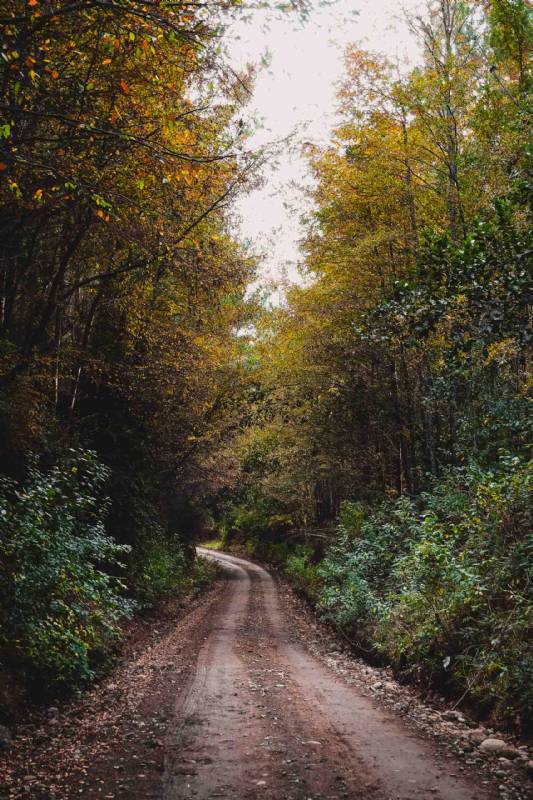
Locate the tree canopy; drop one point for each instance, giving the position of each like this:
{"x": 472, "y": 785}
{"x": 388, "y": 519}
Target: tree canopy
{"x": 371, "y": 432}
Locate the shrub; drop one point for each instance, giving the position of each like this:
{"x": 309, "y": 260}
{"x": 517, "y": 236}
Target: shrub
{"x": 59, "y": 604}
{"x": 202, "y": 574}
{"x": 161, "y": 566}
{"x": 302, "y": 572}
{"x": 158, "y": 566}
{"x": 357, "y": 569}
{"x": 463, "y": 606}
{"x": 442, "y": 586}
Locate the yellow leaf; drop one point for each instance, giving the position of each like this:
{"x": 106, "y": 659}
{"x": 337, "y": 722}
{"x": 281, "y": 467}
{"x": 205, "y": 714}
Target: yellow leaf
{"x": 38, "y": 194}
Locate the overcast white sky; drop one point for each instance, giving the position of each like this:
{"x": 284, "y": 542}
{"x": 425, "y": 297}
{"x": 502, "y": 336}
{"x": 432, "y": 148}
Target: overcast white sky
{"x": 296, "y": 92}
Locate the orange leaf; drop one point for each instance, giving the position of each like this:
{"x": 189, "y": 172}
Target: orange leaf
{"x": 2, "y": 166}
{"x": 106, "y": 61}
{"x": 32, "y": 2}
{"x": 124, "y": 86}
{"x": 100, "y": 213}
{"x": 30, "y": 61}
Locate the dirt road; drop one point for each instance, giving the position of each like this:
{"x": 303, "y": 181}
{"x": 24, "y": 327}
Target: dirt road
{"x": 264, "y": 718}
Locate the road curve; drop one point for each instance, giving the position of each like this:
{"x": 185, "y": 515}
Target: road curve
{"x": 262, "y": 717}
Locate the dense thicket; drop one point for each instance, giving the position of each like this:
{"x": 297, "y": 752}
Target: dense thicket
{"x": 121, "y": 287}
{"x": 394, "y": 386}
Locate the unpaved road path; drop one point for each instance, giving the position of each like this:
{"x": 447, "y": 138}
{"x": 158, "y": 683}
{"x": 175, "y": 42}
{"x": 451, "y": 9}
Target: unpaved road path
{"x": 262, "y": 717}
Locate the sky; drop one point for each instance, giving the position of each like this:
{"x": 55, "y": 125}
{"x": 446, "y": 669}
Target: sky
{"x": 295, "y": 95}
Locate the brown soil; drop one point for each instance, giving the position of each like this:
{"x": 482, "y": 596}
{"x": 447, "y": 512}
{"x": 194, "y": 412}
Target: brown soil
{"x": 111, "y": 744}
{"x": 235, "y": 700}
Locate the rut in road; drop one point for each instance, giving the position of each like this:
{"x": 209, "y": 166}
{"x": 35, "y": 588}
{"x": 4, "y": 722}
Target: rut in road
{"x": 264, "y": 718}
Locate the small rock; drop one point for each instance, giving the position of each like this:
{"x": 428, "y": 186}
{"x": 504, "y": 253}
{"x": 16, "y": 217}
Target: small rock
{"x": 376, "y": 686}
{"x": 454, "y": 716}
{"x": 477, "y": 735}
{"x": 498, "y": 747}
{"x": 401, "y": 707}
{"x": 5, "y": 737}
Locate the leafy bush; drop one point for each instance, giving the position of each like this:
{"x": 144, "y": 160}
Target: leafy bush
{"x": 257, "y": 518}
{"x": 201, "y": 575}
{"x": 59, "y": 604}
{"x": 161, "y": 566}
{"x": 443, "y": 586}
{"x": 302, "y": 572}
{"x": 158, "y": 566}
{"x": 357, "y": 569}
{"x": 264, "y": 549}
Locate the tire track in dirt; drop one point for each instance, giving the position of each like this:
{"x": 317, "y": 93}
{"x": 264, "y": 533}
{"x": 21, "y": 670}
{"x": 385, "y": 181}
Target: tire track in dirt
{"x": 225, "y": 743}
{"x": 263, "y": 718}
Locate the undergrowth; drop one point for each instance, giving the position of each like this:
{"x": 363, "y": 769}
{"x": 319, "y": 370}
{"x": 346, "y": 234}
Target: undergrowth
{"x": 439, "y": 585}
{"x": 66, "y": 585}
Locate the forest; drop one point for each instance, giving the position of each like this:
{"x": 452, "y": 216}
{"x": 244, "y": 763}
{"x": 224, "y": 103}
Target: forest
{"x": 385, "y": 464}
{"x": 370, "y": 434}
{"x": 122, "y": 286}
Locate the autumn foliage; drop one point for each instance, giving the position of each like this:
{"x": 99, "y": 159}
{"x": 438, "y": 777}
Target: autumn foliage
{"x": 121, "y": 290}
{"x": 387, "y": 461}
